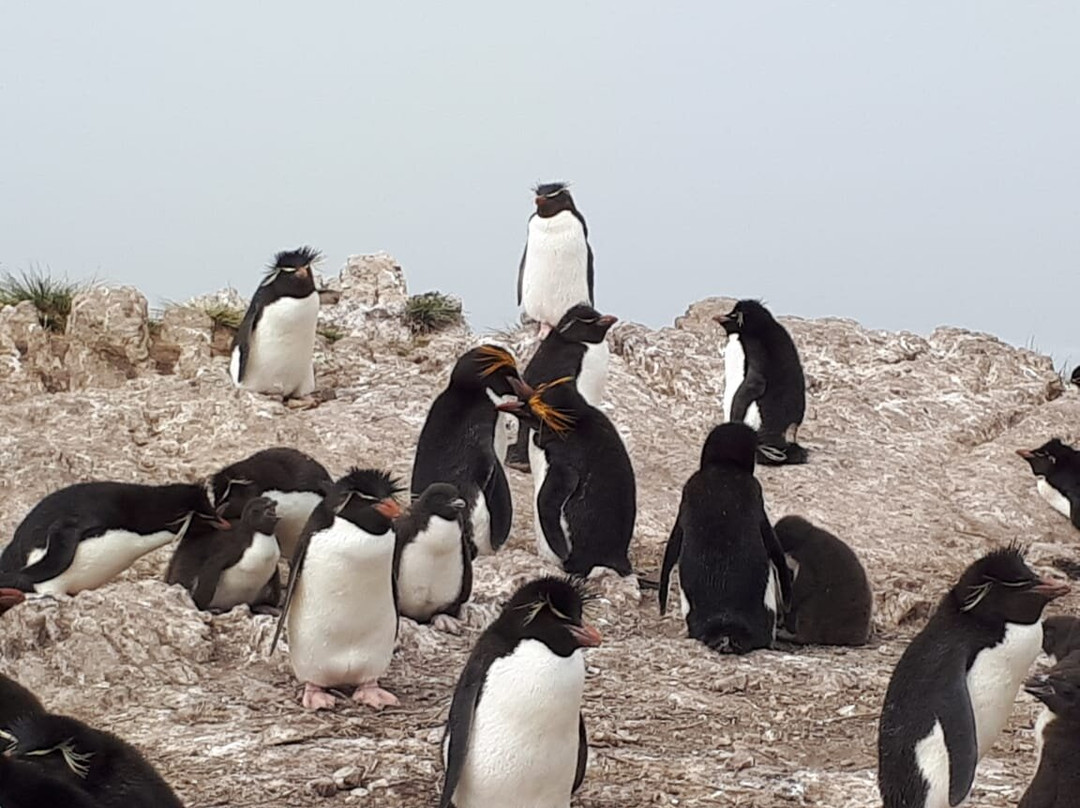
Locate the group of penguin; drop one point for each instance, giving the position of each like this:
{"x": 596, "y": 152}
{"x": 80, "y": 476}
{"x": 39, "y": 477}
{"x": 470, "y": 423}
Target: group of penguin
{"x": 357, "y": 562}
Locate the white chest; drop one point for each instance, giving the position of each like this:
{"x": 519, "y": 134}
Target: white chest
{"x": 100, "y": 559}
{"x": 734, "y": 373}
{"x": 293, "y": 510}
{"x": 1054, "y": 498}
{"x": 594, "y": 373}
{"x": 995, "y": 678}
{"x": 342, "y": 622}
{"x": 555, "y": 274}
{"x": 503, "y": 426}
{"x": 932, "y": 759}
{"x": 430, "y": 571}
{"x": 1046, "y": 717}
{"x": 481, "y": 525}
{"x": 242, "y": 582}
{"x": 524, "y": 741}
{"x": 279, "y": 353}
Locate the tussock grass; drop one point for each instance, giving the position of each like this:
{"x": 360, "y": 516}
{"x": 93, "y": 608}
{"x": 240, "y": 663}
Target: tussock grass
{"x": 431, "y": 312}
{"x": 52, "y": 297}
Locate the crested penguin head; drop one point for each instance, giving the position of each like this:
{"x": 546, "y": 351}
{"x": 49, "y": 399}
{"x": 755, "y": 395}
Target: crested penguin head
{"x": 583, "y": 323}
{"x": 730, "y": 444}
{"x": 366, "y": 497}
{"x": 552, "y": 198}
{"x": 1046, "y": 457}
{"x": 488, "y": 367}
{"x": 1059, "y": 688}
{"x": 260, "y": 515}
{"x": 747, "y": 316}
{"x": 440, "y": 499}
{"x": 1001, "y": 588}
{"x": 291, "y": 272}
{"x": 58, "y": 745}
{"x": 550, "y": 610}
{"x": 189, "y": 509}
{"x": 548, "y": 408}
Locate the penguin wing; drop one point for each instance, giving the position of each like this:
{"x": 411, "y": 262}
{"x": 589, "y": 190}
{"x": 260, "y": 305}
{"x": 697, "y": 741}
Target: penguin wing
{"x": 671, "y": 558}
{"x": 582, "y": 754}
{"x": 751, "y": 389}
{"x": 589, "y": 275}
{"x": 61, "y": 542}
{"x": 205, "y": 583}
{"x": 462, "y": 710}
{"x": 321, "y": 518}
{"x": 242, "y": 340}
{"x": 775, "y": 552}
{"x": 961, "y": 741}
{"x": 559, "y": 485}
{"x": 521, "y": 270}
{"x": 500, "y": 505}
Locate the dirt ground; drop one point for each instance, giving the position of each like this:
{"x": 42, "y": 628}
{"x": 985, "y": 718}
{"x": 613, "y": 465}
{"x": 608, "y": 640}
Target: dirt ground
{"x": 912, "y": 445}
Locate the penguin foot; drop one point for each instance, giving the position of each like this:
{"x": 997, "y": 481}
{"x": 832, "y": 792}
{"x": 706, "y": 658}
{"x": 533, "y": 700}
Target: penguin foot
{"x": 305, "y": 403}
{"x": 374, "y": 696}
{"x": 545, "y": 329}
{"x": 316, "y": 698}
{"x": 446, "y": 623}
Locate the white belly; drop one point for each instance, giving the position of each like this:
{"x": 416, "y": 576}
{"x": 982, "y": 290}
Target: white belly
{"x": 524, "y": 741}
{"x": 684, "y": 602}
{"x": 503, "y": 426}
{"x": 279, "y": 357}
{"x": 932, "y": 759}
{"x": 1055, "y": 498}
{"x": 1041, "y": 723}
{"x": 772, "y": 596}
{"x": 481, "y": 525}
{"x": 430, "y": 572}
{"x": 242, "y": 582}
{"x": 594, "y": 372}
{"x": 342, "y": 622}
{"x": 995, "y": 677}
{"x": 293, "y": 510}
{"x": 734, "y": 372}
{"x": 555, "y": 275}
{"x": 98, "y": 560}
{"x": 539, "y": 465}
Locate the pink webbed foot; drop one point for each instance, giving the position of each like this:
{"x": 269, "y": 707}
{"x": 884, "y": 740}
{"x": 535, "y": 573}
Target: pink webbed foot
{"x": 316, "y": 698}
{"x": 446, "y": 623}
{"x": 374, "y": 696}
{"x": 545, "y": 329}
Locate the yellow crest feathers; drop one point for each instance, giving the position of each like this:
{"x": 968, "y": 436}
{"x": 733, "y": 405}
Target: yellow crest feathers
{"x": 495, "y": 358}
{"x": 556, "y": 420}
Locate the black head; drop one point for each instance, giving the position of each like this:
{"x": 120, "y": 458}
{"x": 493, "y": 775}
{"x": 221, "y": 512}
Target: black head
{"x": 189, "y": 510}
{"x": 291, "y": 272}
{"x": 1059, "y": 689}
{"x": 730, "y": 444}
{"x": 549, "y": 408}
{"x": 488, "y": 367}
{"x": 231, "y": 494}
{"x": 1044, "y": 459}
{"x": 549, "y": 610}
{"x": 440, "y": 499}
{"x": 365, "y": 497}
{"x": 583, "y": 323}
{"x": 60, "y": 746}
{"x": 1000, "y": 588}
{"x": 748, "y": 316}
{"x": 260, "y": 515}
{"x": 552, "y": 198}
{"x": 1075, "y": 377}
{"x": 1061, "y": 636}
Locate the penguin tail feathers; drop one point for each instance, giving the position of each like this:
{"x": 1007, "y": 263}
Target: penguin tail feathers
{"x": 727, "y": 634}
{"x": 783, "y": 454}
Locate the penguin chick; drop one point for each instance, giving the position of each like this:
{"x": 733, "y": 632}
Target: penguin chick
{"x": 1061, "y": 636}
{"x": 1056, "y": 467}
{"x": 432, "y": 559}
{"x": 515, "y": 735}
{"x": 272, "y": 350}
{"x": 106, "y": 768}
{"x": 15, "y": 701}
{"x": 954, "y": 687}
{"x": 1057, "y": 777}
{"x": 24, "y": 785}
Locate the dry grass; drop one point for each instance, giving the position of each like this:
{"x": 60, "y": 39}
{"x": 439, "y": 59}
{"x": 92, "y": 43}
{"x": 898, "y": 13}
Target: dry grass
{"x": 52, "y": 297}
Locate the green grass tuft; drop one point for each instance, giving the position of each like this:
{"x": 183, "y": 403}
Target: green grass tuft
{"x": 432, "y": 311}
{"x": 331, "y": 333}
{"x": 52, "y": 297}
{"x": 222, "y": 314}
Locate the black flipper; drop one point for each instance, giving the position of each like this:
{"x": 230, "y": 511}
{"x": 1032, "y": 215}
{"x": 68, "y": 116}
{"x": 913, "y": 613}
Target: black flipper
{"x": 242, "y": 340}
{"x": 459, "y": 724}
{"x": 559, "y": 484}
{"x": 205, "y": 584}
{"x": 671, "y": 558}
{"x": 499, "y": 504}
{"x": 582, "y": 754}
{"x": 61, "y": 543}
{"x": 775, "y": 551}
{"x": 321, "y": 518}
{"x": 521, "y": 268}
{"x": 958, "y": 725}
{"x": 590, "y": 272}
{"x": 751, "y": 389}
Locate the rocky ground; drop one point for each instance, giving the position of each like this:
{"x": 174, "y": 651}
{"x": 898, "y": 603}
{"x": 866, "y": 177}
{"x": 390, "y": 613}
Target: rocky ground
{"x": 913, "y": 463}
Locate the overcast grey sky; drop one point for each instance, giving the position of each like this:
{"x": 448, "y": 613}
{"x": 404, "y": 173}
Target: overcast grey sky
{"x": 907, "y": 165}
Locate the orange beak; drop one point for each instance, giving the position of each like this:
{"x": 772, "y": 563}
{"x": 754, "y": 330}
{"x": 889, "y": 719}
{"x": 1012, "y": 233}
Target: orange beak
{"x": 586, "y": 635}
{"x": 1025, "y": 453}
{"x": 607, "y": 319}
{"x": 9, "y": 598}
{"x": 1049, "y": 588}
{"x": 521, "y": 390}
{"x": 304, "y": 272}
{"x": 389, "y": 508}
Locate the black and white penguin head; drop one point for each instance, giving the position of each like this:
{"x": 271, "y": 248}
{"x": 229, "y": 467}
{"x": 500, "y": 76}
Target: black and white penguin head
{"x": 730, "y": 444}
{"x": 748, "y": 316}
{"x": 1061, "y": 636}
{"x": 61, "y": 746}
{"x": 488, "y": 367}
{"x": 553, "y": 198}
{"x": 366, "y": 497}
{"x": 550, "y": 610}
{"x": 260, "y": 515}
{"x": 548, "y": 408}
{"x": 1001, "y": 588}
{"x": 1046, "y": 457}
{"x": 439, "y": 499}
{"x": 291, "y": 272}
{"x": 231, "y": 495}
{"x": 183, "y": 507}
{"x": 1059, "y": 688}
{"x": 583, "y": 323}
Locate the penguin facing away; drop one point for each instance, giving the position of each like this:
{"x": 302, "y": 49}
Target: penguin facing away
{"x": 953, "y": 689}
{"x": 764, "y": 385}
{"x": 583, "y": 481}
{"x": 295, "y": 482}
{"x": 556, "y": 270}
{"x": 515, "y": 734}
{"x": 15, "y": 702}
{"x": 732, "y": 572}
{"x": 83, "y": 536}
{"x": 340, "y": 604}
{"x": 110, "y": 771}
{"x": 230, "y": 567}
{"x": 457, "y": 444}
{"x": 831, "y": 601}
{"x": 576, "y": 347}
{"x": 272, "y": 350}
{"x": 1056, "y": 467}
{"x": 432, "y": 558}
{"x": 1057, "y": 776}
{"x": 1061, "y": 636}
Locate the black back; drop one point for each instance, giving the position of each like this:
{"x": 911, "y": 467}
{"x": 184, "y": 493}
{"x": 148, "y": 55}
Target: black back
{"x": 1059, "y": 464}
{"x": 1057, "y": 781}
{"x": 25, "y": 785}
{"x": 561, "y": 352}
{"x": 929, "y": 682}
{"x": 547, "y": 609}
{"x": 1061, "y": 636}
{"x": 85, "y": 510}
{"x": 726, "y": 548}
{"x": 831, "y": 602}
{"x": 290, "y": 275}
{"x": 15, "y": 701}
{"x": 552, "y": 198}
{"x": 106, "y": 768}
{"x": 278, "y": 469}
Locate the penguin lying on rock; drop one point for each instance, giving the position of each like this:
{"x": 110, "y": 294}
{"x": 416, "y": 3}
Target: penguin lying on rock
{"x": 1056, "y": 467}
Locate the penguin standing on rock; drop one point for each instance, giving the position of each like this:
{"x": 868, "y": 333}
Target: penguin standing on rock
{"x": 515, "y": 735}
{"x": 556, "y": 270}
{"x": 295, "y": 482}
{"x": 1057, "y": 775}
{"x": 732, "y": 571}
{"x": 764, "y": 385}
{"x": 583, "y": 481}
{"x": 340, "y": 604}
{"x": 83, "y": 536}
{"x": 432, "y": 558}
{"x": 577, "y": 347}
{"x": 272, "y": 350}
{"x": 457, "y": 444}
{"x": 1056, "y": 467}
{"x": 953, "y": 689}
